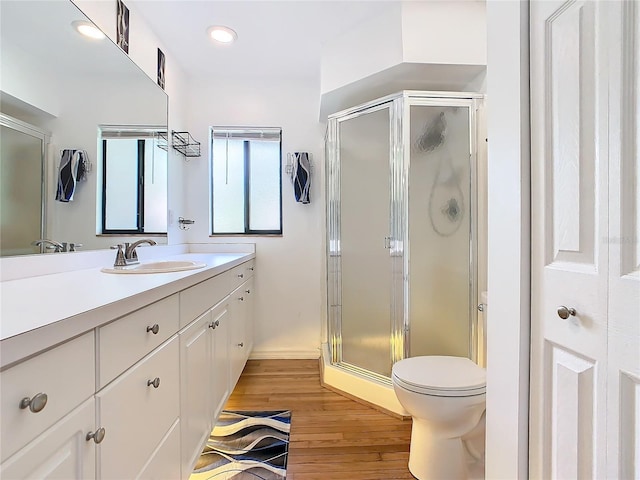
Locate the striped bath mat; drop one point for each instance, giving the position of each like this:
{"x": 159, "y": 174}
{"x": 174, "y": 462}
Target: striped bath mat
{"x": 246, "y": 446}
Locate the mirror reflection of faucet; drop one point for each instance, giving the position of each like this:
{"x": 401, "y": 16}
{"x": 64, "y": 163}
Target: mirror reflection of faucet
{"x": 57, "y": 247}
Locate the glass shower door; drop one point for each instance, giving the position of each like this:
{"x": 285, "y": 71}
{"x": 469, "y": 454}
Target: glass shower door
{"x": 364, "y": 150}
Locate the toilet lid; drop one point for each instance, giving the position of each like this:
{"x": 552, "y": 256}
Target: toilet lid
{"x": 440, "y": 375}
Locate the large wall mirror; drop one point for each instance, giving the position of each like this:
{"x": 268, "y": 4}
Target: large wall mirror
{"x": 58, "y": 91}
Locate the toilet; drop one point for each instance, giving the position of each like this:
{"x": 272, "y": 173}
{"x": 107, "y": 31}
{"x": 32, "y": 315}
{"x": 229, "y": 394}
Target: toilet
{"x": 445, "y": 397}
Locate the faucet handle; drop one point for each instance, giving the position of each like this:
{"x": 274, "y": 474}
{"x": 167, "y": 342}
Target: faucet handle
{"x": 120, "y": 261}
{"x": 74, "y": 246}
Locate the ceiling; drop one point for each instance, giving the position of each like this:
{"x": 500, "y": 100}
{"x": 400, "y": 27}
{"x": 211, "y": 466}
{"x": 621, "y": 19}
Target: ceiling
{"x": 276, "y": 39}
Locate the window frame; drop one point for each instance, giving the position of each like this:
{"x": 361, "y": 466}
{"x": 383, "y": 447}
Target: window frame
{"x": 139, "y": 230}
{"x": 247, "y": 184}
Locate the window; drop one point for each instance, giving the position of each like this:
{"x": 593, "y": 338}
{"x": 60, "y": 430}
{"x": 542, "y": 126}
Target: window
{"x": 134, "y": 181}
{"x": 246, "y": 171}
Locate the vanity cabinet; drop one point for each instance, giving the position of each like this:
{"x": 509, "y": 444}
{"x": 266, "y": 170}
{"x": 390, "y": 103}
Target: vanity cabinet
{"x": 134, "y": 398}
{"x": 204, "y": 378}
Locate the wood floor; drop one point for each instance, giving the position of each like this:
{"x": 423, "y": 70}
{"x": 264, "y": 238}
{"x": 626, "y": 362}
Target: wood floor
{"x": 332, "y": 437}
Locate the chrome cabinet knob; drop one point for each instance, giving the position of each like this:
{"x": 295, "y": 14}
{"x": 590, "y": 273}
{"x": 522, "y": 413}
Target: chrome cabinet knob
{"x": 96, "y": 436}
{"x": 155, "y": 382}
{"x": 212, "y": 325}
{"x": 241, "y": 344}
{"x": 251, "y": 268}
{"x": 241, "y": 275}
{"x": 154, "y": 329}
{"x": 35, "y": 404}
{"x": 564, "y": 312}
{"x": 247, "y": 291}
{"x": 241, "y": 299}
{"x": 217, "y": 322}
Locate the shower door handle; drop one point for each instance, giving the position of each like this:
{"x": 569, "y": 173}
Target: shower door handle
{"x": 387, "y": 243}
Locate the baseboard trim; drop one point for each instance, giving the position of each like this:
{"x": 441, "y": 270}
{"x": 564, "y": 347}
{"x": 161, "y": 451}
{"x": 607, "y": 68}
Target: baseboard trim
{"x": 285, "y": 355}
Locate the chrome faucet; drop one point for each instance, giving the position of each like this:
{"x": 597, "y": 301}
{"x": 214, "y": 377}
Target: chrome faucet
{"x": 130, "y": 254}
{"x": 50, "y": 244}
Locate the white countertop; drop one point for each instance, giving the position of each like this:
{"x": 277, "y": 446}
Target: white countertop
{"x": 39, "y": 312}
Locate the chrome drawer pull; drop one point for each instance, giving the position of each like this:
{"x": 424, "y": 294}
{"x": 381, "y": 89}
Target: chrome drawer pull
{"x": 251, "y": 268}
{"x": 35, "y": 404}
{"x": 155, "y": 382}
{"x": 241, "y": 275}
{"x": 155, "y": 329}
{"x": 97, "y": 436}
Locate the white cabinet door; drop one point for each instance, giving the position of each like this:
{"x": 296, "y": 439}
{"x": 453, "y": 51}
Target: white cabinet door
{"x": 137, "y": 410}
{"x": 623, "y": 389}
{"x": 569, "y": 157}
{"x": 248, "y": 295}
{"x": 61, "y": 452}
{"x": 164, "y": 463}
{"x": 239, "y": 344}
{"x": 195, "y": 388}
{"x": 220, "y": 316}
{"x": 585, "y": 367}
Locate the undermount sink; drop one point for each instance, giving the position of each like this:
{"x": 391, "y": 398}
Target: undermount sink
{"x": 160, "y": 266}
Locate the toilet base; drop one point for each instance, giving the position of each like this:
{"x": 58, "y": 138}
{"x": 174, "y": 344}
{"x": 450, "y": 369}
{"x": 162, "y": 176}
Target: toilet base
{"x": 432, "y": 457}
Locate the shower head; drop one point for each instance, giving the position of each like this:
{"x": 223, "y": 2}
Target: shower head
{"x": 434, "y": 134}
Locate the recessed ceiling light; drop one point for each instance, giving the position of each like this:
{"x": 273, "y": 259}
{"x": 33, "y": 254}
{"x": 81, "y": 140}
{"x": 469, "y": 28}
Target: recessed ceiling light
{"x": 88, "y": 29}
{"x": 222, "y": 34}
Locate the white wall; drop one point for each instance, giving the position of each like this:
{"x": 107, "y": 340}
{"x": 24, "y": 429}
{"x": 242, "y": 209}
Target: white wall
{"x": 444, "y": 32}
{"x": 436, "y": 33}
{"x": 289, "y": 303}
{"x": 509, "y": 244}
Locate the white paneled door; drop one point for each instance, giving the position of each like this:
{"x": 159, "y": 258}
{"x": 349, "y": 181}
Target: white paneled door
{"x": 585, "y": 354}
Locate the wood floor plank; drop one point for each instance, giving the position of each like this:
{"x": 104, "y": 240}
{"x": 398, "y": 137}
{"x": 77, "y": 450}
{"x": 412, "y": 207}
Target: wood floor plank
{"x": 332, "y": 437}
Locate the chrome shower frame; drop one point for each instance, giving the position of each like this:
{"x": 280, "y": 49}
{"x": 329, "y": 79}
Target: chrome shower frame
{"x": 399, "y": 162}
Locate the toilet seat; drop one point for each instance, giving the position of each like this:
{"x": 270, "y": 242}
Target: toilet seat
{"x": 440, "y": 376}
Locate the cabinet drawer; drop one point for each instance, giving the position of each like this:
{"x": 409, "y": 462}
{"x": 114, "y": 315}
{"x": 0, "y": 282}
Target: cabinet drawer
{"x": 65, "y": 374}
{"x": 136, "y": 415}
{"x": 125, "y": 341}
{"x": 241, "y": 273}
{"x": 196, "y": 300}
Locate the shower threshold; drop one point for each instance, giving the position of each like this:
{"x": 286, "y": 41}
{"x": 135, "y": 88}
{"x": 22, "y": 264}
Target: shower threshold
{"x": 361, "y": 388}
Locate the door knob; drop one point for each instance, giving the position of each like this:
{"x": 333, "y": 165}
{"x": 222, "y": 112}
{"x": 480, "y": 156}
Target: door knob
{"x": 565, "y": 312}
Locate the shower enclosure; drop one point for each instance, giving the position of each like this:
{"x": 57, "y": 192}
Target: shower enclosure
{"x": 401, "y": 247}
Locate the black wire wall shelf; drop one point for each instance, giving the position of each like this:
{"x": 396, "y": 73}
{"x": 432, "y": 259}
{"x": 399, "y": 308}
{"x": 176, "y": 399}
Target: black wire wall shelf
{"x": 184, "y": 143}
